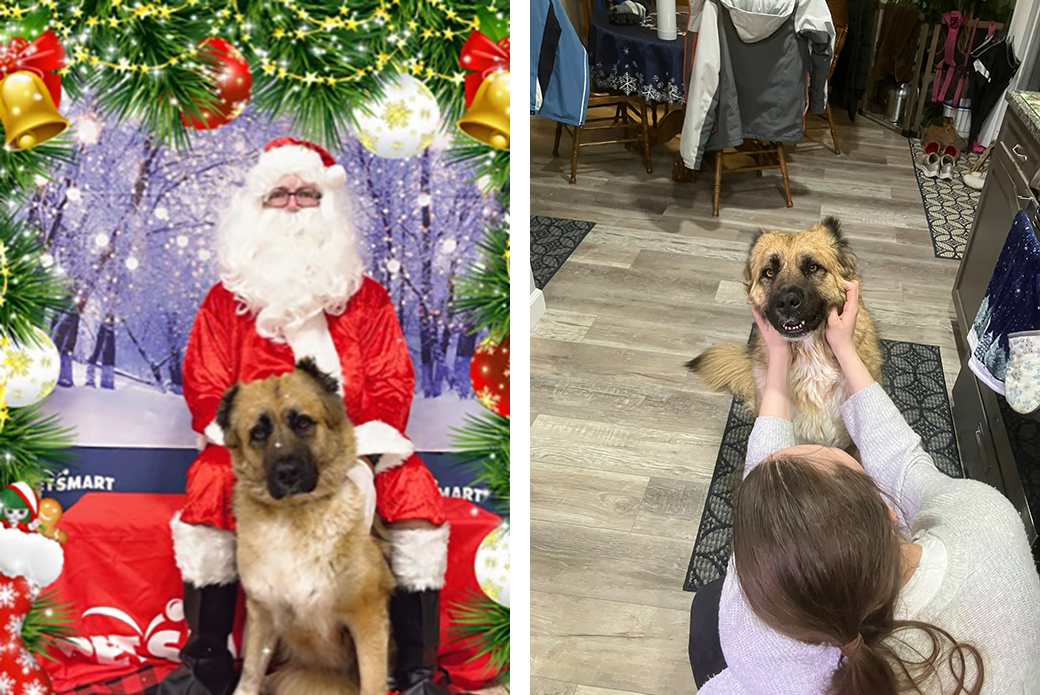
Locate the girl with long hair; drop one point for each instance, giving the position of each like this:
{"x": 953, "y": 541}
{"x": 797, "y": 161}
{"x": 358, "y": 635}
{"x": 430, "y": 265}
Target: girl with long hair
{"x": 872, "y": 579}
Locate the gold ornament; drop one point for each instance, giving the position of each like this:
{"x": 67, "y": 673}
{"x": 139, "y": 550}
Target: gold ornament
{"x": 487, "y": 119}
{"x": 28, "y": 111}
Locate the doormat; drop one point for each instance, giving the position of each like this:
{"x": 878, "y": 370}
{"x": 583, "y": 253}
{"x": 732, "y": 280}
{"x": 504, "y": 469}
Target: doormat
{"x": 949, "y": 205}
{"x": 911, "y": 375}
{"x": 552, "y": 241}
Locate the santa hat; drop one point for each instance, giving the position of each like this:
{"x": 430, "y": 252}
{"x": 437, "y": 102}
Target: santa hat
{"x": 286, "y": 156}
{"x": 28, "y": 496}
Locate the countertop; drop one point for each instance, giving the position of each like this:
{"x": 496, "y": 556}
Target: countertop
{"x": 1027, "y": 106}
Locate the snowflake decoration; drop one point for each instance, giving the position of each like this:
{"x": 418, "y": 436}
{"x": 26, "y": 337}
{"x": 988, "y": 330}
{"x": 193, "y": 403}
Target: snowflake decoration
{"x": 628, "y": 83}
{"x": 396, "y": 114}
{"x": 27, "y": 662}
{"x": 14, "y": 626}
{"x": 7, "y": 596}
{"x": 6, "y": 684}
{"x": 17, "y": 363}
{"x": 488, "y": 399}
{"x": 34, "y": 688}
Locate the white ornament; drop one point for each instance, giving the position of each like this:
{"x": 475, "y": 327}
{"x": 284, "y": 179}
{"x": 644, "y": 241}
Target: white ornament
{"x": 29, "y": 372}
{"x": 402, "y": 123}
{"x": 492, "y": 565}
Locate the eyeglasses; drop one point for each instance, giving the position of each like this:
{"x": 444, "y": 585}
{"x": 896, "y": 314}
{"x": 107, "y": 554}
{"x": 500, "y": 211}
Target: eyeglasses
{"x": 305, "y": 198}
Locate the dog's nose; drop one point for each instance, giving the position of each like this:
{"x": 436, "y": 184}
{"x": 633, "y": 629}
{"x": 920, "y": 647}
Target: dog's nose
{"x": 789, "y": 300}
{"x": 288, "y": 473}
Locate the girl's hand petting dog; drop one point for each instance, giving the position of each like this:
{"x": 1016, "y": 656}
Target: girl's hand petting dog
{"x": 841, "y": 327}
{"x": 840, "y": 331}
{"x": 777, "y": 346}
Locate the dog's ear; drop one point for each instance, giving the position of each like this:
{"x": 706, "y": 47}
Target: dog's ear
{"x": 751, "y": 249}
{"x": 327, "y": 382}
{"x": 227, "y": 403}
{"x": 335, "y": 410}
{"x": 846, "y": 258}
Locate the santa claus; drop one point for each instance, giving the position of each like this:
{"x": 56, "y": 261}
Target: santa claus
{"x": 292, "y": 286}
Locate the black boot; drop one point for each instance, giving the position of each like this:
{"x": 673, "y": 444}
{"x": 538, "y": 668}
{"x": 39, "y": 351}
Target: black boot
{"x": 206, "y": 664}
{"x": 415, "y": 620}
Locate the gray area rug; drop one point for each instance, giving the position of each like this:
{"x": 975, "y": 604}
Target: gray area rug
{"x": 949, "y": 205}
{"x": 912, "y": 375}
{"x": 552, "y": 242}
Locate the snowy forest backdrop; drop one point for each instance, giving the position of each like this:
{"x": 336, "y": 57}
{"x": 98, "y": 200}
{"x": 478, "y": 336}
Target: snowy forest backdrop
{"x": 131, "y": 224}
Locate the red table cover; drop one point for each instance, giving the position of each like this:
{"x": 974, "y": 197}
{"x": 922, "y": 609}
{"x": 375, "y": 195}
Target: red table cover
{"x": 125, "y": 590}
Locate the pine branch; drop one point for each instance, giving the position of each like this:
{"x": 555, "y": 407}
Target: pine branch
{"x": 48, "y": 622}
{"x": 32, "y": 291}
{"x": 485, "y": 624}
{"x": 483, "y": 444}
{"x": 483, "y": 298}
{"x": 19, "y": 169}
{"x": 32, "y": 447}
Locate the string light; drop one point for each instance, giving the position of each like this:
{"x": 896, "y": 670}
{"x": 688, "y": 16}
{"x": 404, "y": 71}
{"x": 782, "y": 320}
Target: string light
{"x": 307, "y": 24}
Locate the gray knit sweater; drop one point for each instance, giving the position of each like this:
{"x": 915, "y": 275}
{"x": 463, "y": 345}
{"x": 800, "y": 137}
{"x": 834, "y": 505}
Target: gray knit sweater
{"x": 989, "y": 595}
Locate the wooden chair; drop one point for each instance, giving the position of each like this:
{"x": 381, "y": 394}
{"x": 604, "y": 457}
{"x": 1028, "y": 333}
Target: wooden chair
{"x": 840, "y": 16}
{"x": 636, "y": 130}
{"x": 767, "y": 155}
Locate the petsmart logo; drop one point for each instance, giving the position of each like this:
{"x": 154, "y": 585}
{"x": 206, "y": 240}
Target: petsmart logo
{"x": 161, "y": 640}
{"x": 470, "y": 494}
{"x": 63, "y": 482}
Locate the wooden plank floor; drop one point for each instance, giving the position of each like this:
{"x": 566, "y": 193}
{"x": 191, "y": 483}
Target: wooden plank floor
{"x": 623, "y": 440}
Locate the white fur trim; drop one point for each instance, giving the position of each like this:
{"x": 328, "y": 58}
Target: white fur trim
{"x": 419, "y": 556}
{"x": 365, "y": 479}
{"x": 336, "y": 175}
{"x": 30, "y": 555}
{"x": 313, "y": 339}
{"x": 204, "y": 555}
{"x": 377, "y": 437}
{"x": 283, "y": 161}
{"x": 214, "y": 433}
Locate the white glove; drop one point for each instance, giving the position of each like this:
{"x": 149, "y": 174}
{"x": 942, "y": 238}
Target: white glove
{"x": 365, "y": 478}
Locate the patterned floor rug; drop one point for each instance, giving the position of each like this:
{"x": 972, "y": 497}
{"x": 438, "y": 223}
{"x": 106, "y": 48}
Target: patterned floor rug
{"x": 552, "y": 241}
{"x": 912, "y": 376}
{"x": 948, "y": 204}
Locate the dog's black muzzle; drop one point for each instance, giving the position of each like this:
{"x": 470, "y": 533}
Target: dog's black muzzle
{"x": 293, "y": 473}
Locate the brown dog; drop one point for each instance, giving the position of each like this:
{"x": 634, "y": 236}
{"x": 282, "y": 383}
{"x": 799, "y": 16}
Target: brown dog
{"x": 793, "y": 281}
{"x": 316, "y": 582}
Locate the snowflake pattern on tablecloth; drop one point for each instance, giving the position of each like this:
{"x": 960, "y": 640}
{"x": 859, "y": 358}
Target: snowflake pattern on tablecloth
{"x": 949, "y": 205}
{"x": 6, "y": 684}
{"x": 624, "y": 80}
{"x": 912, "y": 376}
{"x": 7, "y": 596}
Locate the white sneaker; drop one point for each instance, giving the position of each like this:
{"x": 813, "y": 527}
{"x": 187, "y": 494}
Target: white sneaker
{"x": 928, "y": 164}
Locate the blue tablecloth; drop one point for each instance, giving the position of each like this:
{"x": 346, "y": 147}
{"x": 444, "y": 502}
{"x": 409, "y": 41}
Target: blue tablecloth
{"x": 632, "y": 60}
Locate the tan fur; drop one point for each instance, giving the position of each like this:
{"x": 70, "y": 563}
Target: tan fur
{"x": 816, "y": 385}
{"x": 317, "y": 583}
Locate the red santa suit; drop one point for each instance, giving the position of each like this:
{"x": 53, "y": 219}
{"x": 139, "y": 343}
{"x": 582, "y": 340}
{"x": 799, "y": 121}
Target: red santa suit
{"x": 365, "y": 350}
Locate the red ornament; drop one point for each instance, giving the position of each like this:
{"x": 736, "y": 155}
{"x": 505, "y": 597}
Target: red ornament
{"x": 234, "y": 82}
{"x": 20, "y": 673}
{"x": 489, "y": 374}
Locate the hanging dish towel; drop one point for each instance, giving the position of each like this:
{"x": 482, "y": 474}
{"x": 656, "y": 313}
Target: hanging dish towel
{"x": 1011, "y": 304}
{"x": 1022, "y": 382}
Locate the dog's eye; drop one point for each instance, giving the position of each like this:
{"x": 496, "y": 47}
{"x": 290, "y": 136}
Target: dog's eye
{"x": 260, "y": 431}
{"x": 769, "y": 272}
{"x": 302, "y": 424}
{"x": 813, "y": 267}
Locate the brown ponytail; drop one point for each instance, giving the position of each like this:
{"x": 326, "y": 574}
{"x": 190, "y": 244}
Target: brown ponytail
{"x": 819, "y": 560}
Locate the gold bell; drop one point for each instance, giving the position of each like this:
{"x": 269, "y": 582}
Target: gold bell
{"x": 28, "y": 112}
{"x": 487, "y": 119}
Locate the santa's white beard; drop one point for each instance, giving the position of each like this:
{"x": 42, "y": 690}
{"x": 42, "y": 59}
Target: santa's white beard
{"x": 287, "y": 267}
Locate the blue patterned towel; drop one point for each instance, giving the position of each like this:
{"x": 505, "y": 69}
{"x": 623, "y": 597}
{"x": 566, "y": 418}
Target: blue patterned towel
{"x": 1011, "y": 304}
